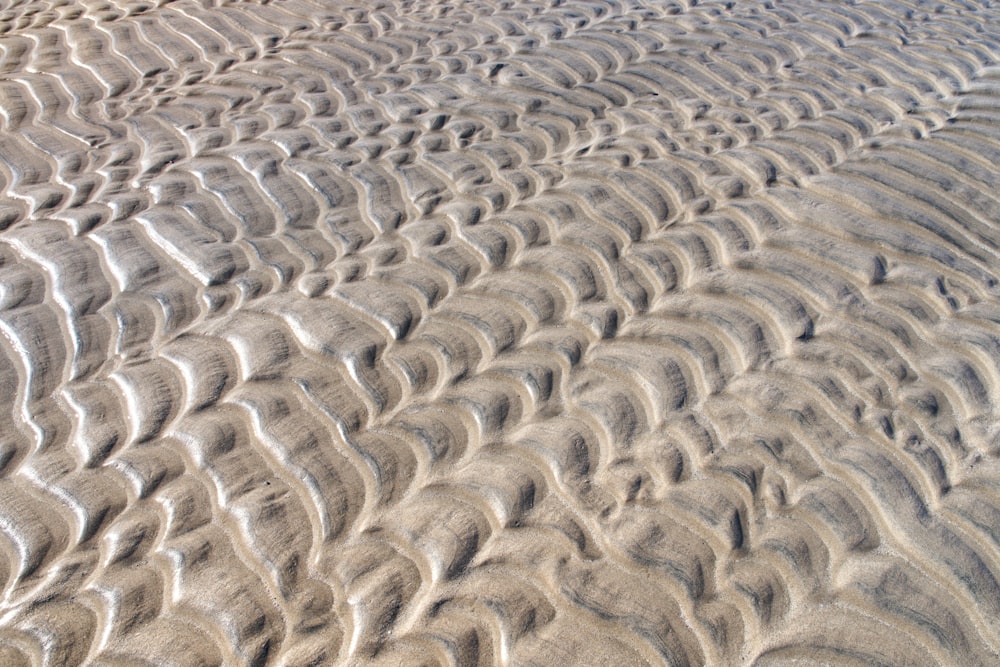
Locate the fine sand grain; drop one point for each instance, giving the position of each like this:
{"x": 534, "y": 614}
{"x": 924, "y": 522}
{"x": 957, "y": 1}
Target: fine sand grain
{"x": 497, "y": 332}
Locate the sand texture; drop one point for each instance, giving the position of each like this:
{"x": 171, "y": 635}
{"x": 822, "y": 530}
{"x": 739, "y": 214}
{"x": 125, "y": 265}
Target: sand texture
{"x": 497, "y": 332}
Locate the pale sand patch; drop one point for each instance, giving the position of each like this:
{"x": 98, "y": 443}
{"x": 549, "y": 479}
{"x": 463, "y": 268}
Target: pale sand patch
{"x": 528, "y": 333}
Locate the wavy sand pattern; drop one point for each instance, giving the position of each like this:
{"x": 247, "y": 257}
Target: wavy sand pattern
{"x": 529, "y": 333}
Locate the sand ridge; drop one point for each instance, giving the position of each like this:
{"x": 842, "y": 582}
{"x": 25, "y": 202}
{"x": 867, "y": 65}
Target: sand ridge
{"x": 520, "y": 333}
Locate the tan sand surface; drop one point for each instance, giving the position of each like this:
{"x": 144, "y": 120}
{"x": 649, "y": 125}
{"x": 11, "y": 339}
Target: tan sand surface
{"x": 626, "y": 332}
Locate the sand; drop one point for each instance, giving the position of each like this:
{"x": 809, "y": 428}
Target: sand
{"x": 521, "y": 333}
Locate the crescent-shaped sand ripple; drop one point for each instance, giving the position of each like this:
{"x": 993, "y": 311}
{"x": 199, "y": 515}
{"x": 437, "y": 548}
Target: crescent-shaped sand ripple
{"x": 529, "y": 333}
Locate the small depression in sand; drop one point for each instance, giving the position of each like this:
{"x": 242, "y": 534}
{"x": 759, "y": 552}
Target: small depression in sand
{"x": 544, "y": 333}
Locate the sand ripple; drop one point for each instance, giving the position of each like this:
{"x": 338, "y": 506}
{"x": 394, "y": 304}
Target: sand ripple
{"x": 528, "y": 333}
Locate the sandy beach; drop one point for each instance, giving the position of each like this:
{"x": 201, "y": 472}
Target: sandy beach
{"x": 551, "y": 333}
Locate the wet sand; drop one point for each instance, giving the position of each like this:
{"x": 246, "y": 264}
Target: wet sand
{"x": 522, "y": 333}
